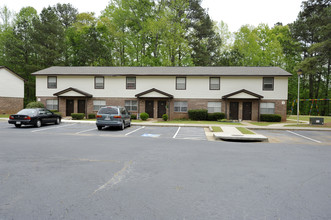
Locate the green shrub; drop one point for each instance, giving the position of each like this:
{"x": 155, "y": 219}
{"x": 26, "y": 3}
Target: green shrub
{"x": 270, "y": 117}
{"x": 56, "y": 112}
{"x": 35, "y": 105}
{"x": 198, "y": 114}
{"x": 91, "y": 116}
{"x": 133, "y": 117}
{"x": 77, "y": 116}
{"x": 144, "y": 116}
{"x": 216, "y": 116}
{"x": 165, "y": 117}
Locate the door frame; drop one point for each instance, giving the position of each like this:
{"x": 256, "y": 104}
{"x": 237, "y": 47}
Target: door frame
{"x": 72, "y": 107}
{"x": 159, "y": 108}
{"x": 234, "y": 110}
{"x": 152, "y": 110}
{"x": 245, "y": 111}
{"x": 78, "y": 106}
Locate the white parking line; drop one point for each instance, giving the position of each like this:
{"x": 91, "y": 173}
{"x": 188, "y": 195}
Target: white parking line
{"x": 305, "y": 137}
{"x": 134, "y": 130}
{"x": 86, "y": 131}
{"x": 54, "y": 127}
{"x": 176, "y": 132}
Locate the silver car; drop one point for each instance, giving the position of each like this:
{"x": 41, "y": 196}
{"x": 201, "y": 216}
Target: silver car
{"x": 113, "y": 116}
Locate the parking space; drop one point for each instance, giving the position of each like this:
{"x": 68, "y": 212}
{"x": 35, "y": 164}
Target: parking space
{"x": 90, "y": 129}
{"x": 190, "y": 133}
{"x": 297, "y": 137}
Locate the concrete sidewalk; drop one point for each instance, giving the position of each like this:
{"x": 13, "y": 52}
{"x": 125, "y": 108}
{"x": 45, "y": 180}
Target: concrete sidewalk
{"x": 232, "y": 133}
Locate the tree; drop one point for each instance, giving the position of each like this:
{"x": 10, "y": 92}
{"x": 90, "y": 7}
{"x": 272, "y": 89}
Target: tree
{"x": 49, "y": 38}
{"x": 312, "y": 29}
{"x": 204, "y": 40}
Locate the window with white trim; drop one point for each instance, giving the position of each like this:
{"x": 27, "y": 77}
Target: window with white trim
{"x": 130, "y": 82}
{"x": 97, "y": 104}
{"x": 52, "y": 104}
{"x": 180, "y": 106}
{"x": 214, "y": 83}
{"x": 99, "y": 82}
{"x": 267, "y": 108}
{"x": 214, "y": 107}
{"x": 131, "y": 105}
{"x": 52, "y": 82}
{"x": 181, "y": 83}
{"x": 268, "y": 83}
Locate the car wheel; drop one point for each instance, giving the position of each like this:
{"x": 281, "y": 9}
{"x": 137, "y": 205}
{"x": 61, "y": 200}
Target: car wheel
{"x": 122, "y": 125}
{"x": 38, "y": 124}
{"x": 18, "y": 126}
{"x": 58, "y": 121}
{"x": 99, "y": 128}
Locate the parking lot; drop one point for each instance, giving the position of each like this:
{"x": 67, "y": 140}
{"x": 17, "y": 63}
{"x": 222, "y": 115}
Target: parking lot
{"x": 74, "y": 171}
{"x": 188, "y": 133}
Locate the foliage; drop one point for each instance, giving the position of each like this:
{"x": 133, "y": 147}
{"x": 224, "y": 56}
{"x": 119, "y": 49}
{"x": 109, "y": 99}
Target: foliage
{"x": 215, "y": 116}
{"x": 133, "y": 116}
{"x": 198, "y": 114}
{"x": 270, "y": 117}
{"x": 56, "y": 112}
{"x": 77, "y": 116}
{"x": 144, "y": 116}
{"x": 35, "y": 105}
{"x": 91, "y": 116}
{"x": 167, "y": 33}
{"x": 312, "y": 29}
{"x": 165, "y": 117}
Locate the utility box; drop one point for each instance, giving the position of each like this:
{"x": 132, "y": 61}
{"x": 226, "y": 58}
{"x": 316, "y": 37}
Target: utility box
{"x": 316, "y": 121}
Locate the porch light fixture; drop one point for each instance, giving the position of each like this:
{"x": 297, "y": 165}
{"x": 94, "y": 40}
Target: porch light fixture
{"x": 299, "y": 72}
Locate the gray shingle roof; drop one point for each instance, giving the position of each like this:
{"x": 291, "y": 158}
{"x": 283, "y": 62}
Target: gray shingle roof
{"x": 163, "y": 71}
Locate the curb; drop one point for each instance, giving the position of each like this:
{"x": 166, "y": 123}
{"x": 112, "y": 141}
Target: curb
{"x": 204, "y": 126}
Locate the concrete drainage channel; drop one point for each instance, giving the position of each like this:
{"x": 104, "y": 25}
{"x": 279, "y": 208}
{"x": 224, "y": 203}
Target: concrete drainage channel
{"x": 233, "y": 134}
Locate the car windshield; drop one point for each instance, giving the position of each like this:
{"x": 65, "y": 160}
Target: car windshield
{"x": 108, "y": 110}
{"x": 30, "y": 112}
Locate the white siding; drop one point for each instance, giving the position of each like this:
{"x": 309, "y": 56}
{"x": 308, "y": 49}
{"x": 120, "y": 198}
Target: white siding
{"x": 254, "y": 84}
{"x": 196, "y": 87}
{"x": 11, "y": 85}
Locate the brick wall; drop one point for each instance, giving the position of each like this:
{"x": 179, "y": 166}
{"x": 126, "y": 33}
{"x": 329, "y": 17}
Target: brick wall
{"x": 10, "y": 105}
{"x": 280, "y": 106}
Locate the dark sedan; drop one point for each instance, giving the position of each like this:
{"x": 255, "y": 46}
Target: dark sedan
{"x": 35, "y": 117}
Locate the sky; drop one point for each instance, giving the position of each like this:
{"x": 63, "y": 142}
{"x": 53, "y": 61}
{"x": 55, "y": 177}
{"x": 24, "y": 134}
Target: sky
{"x": 234, "y": 13}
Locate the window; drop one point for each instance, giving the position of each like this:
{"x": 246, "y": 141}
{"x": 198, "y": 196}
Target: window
{"x": 214, "y": 107}
{"x": 131, "y": 105}
{"x": 214, "y": 83}
{"x": 52, "y": 104}
{"x": 181, "y": 83}
{"x": 268, "y": 83}
{"x": 267, "y": 108}
{"x": 97, "y": 104}
{"x": 99, "y": 82}
{"x": 51, "y": 82}
{"x": 130, "y": 82}
{"x": 180, "y": 106}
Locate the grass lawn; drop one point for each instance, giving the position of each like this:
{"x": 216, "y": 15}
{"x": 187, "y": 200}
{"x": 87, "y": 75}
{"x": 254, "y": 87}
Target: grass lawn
{"x": 217, "y": 129}
{"x": 306, "y": 118}
{"x": 263, "y": 123}
{"x": 244, "y": 130}
{"x": 4, "y": 116}
{"x": 307, "y": 125}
